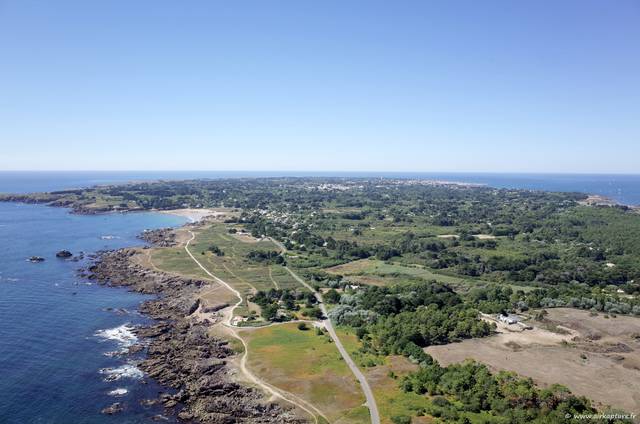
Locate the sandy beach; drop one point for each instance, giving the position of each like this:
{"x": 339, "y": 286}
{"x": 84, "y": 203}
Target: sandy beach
{"x": 194, "y": 215}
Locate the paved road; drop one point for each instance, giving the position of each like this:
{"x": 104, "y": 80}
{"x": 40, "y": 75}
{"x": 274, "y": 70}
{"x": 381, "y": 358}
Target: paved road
{"x": 368, "y": 394}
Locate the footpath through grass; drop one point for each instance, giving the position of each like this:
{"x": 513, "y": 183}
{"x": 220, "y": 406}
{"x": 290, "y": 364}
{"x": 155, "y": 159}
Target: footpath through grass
{"x": 309, "y": 365}
{"x": 225, "y": 256}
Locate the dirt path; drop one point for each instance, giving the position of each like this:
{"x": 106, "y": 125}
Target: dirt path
{"x": 227, "y": 321}
{"x": 275, "y": 283}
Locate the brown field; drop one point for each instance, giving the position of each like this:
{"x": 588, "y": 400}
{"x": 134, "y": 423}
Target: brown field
{"x": 594, "y": 356}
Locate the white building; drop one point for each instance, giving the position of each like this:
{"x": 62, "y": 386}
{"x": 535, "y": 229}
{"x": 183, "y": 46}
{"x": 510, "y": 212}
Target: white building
{"x": 508, "y": 319}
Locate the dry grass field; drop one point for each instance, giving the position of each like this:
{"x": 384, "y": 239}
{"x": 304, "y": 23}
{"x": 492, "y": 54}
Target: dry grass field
{"x": 593, "y": 356}
{"x": 379, "y": 273}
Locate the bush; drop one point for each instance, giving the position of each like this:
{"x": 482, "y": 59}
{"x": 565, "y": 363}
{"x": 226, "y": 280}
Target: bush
{"x": 401, "y": 419}
{"x": 302, "y": 326}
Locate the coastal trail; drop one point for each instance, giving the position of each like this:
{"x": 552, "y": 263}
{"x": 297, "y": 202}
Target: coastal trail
{"x": 227, "y": 321}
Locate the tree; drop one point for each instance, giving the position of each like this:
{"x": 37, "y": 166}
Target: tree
{"x": 332, "y": 296}
{"x": 270, "y": 312}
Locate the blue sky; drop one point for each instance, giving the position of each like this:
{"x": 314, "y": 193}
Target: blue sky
{"x": 499, "y": 86}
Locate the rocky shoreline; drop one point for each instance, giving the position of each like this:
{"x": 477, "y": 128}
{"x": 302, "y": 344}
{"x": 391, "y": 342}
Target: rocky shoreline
{"x": 162, "y": 237}
{"x": 180, "y": 354}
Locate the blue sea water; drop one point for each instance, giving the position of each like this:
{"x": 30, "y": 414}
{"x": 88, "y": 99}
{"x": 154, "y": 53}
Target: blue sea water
{"x": 51, "y": 352}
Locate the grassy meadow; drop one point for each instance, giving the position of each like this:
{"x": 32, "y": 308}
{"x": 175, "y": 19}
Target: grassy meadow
{"x": 309, "y": 365}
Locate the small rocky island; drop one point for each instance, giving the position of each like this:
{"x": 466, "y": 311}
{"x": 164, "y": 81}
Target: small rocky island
{"x": 64, "y": 254}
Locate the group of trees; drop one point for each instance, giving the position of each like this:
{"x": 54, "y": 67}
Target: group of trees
{"x": 499, "y": 298}
{"x": 391, "y": 320}
{"x": 274, "y": 300}
{"x": 215, "y": 250}
{"x": 269, "y": 257}
{"x": 503, "y": 397}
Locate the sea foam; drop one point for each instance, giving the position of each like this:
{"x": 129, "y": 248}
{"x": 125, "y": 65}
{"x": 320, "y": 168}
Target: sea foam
{"x": 118, "y": 392}
{"x": 123, "y": 335}
{"x": 124, "y": 371}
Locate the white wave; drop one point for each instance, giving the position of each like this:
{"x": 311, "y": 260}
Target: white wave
{"x": 118, "y": 392}
{"x": 122, "y": 334}
{"x": 109, "y": 237}
{"x": 124, "y": 371}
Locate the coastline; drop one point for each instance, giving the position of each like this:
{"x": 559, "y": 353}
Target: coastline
{"x": 599, "y": 200}
{"x": 181, "y": 355}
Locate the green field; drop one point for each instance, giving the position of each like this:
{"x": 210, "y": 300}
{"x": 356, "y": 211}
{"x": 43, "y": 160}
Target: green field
{"x": 308, "y": 365}
{"x": 234, "y": 268}
{"x": 380, "y": 273}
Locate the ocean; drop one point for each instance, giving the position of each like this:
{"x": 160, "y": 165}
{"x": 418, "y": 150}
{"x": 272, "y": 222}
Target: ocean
{"x": 57, "y": 331}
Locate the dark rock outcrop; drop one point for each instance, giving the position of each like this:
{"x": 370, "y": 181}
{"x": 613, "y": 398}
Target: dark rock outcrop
{"x": 112, "y": 409}
{"x": 181, "y": 354}
{"x": 64, "y": 254}
{"x": 163, "y": 237}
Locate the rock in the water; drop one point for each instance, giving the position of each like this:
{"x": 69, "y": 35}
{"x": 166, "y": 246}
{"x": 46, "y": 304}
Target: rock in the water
{"x": 113, "y": 409}
{"x": 64, "y": 254}
{"x": 36, "y": 259}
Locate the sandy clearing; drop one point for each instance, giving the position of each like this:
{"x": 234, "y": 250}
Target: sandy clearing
{"x": 605, "y": 370}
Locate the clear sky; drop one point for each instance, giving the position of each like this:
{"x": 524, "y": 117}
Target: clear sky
{"x": 537, "y": 86}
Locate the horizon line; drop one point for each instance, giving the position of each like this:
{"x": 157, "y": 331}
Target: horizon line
{"x": 311, "y": 172}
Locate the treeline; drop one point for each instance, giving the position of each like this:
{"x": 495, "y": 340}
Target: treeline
{"x": 496, "y": 298}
